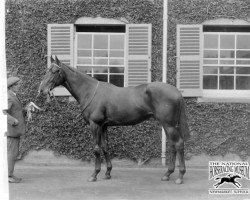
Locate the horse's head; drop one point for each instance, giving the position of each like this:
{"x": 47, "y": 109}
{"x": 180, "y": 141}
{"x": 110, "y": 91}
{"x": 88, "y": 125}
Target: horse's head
{"x": 237, "y": 176}
{"x": 53, "y": 78}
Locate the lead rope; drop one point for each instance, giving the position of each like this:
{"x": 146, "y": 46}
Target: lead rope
{"x": 57, "y": 104}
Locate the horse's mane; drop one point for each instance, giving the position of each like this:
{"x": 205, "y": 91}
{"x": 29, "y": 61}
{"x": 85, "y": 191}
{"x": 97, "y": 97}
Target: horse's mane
{"x": 71, "y": 68}
{"x": 76, "y": 71}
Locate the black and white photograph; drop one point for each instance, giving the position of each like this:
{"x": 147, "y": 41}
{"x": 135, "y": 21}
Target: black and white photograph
{"x": 125, "y": 100}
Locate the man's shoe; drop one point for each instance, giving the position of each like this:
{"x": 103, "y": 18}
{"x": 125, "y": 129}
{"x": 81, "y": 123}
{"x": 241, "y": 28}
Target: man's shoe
{"x": 13, "y": 179}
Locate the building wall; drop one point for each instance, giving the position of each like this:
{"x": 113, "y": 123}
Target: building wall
{"x": 216, "y": 128}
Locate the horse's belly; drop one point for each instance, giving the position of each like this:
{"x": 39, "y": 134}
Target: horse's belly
{"x": 128, "y": 117}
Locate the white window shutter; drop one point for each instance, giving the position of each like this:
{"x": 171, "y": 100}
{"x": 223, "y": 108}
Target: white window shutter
{"x": 138, "y": 54}
{"x": 60, "y": 43}
{"x": 189, "y": 58}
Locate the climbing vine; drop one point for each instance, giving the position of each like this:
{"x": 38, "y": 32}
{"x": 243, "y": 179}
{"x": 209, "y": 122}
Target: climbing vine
{"x": 216, "y": 128}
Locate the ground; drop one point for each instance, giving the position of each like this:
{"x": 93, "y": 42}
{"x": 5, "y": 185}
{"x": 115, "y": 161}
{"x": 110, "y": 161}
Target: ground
{"x": 127, "y": 183}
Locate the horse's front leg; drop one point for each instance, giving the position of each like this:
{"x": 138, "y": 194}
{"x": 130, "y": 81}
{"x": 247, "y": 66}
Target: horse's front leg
{"x": 96, "y": 131}
{"x": 236, "y": 184}
{"x": 104, "y": 144}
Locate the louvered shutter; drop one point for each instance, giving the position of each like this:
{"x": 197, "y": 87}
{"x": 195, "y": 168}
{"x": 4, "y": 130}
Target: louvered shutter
{"x": 138, "y": 54}
{"x": 189, "y": 57}
{"x": 60, "y": 43}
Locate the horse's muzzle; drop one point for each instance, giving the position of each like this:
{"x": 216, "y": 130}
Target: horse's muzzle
{"x": 46, "y": 92}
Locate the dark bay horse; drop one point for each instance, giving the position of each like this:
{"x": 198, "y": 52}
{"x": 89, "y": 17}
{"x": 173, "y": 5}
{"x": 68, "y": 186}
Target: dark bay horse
{"x": 103, "y": 104}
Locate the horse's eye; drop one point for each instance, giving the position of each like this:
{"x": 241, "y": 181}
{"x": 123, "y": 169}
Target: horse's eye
{"x": 54, "y": 70}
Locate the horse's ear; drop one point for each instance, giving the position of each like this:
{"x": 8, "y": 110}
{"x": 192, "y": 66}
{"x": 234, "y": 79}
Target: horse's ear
{"x": 57, "y": 61}
{"x": 52, "y": 59}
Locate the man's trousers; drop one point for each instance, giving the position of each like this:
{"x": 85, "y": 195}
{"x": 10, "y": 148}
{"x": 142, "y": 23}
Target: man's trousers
{"x": 12, "y": 149}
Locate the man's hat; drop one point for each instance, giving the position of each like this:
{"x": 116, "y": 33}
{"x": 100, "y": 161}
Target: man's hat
{"x": 12, "y": 80}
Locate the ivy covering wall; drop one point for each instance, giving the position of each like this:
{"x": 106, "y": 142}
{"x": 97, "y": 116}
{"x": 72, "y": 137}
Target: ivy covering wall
{"x": 216, "y": 128}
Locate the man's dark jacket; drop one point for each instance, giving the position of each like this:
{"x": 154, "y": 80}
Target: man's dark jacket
{"x": 15, "y": 111}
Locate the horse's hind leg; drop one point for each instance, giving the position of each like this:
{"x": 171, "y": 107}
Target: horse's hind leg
{"x": 171, "y": 164}
{"x": 104, "y": 144}
{"x": 180, "y": 154}
{"x": 176, "y": 148}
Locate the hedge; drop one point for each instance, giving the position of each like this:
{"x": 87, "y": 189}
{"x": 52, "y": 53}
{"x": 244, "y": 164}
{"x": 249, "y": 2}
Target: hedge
{"x": 216, "y": 128}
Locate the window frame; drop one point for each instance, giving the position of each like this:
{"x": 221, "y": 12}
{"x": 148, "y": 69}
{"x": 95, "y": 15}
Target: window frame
{"x": 125, "y": 59}
{"x": 223, "y": 93}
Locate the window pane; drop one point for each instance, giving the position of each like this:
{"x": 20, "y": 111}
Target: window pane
{"x": 117, "y": 80}
{"x": 116, "y": 70}
{"x": 210, "y": 82}
{"x": 243, "y": 62}
{"x": 99, "y": 61}
{"x": 86, "y": 70}
{"x": 229, "y": 62}
{"x": 210, "y": 54}
{"x": 101, "y": 53}
{"x": 116, "y": 53}
{"x": 84, "y": 42}
{"x": 210, "y": 70}
{"x": 211, "y": 41}
{"x": 84, "y": 53}
{"x": 226, "y": 70}
{"x": 226, "y": 82}
{"x": 243, "y": 83}
{"x": 100, "y": 42}
{"x": 226, "y": 54}
{"x": 100, "y": 70}
{"x": 243, "y": 42}
{"x": 210, "y": 61}
{"x": 243, "y": 54}
{"x": 116, "y": 42}
{"x": 116, "y": 61}
{"x": 227, "y": 41}
{"x": 243, "y": 70}
{"x": 101, "y": 77}
{"x": 84, "y": 61}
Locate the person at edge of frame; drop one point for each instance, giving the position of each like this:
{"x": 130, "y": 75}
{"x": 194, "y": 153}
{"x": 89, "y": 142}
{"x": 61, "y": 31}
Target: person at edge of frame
{"x": 16, "y": 125}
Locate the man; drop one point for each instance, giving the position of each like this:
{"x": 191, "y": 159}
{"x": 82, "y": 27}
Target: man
{"x": 16, "y": 125}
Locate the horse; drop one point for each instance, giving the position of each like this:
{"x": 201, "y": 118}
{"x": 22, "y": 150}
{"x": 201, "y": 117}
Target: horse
{"x": 229, "y": 179}
{"x": 103, "y": 104}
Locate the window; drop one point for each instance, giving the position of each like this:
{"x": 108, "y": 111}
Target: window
{"x": 102, "y": 55}
{"x": 214, "y": 60}
{"x": 116, "y": 53}
{"x": 226, "y": 61}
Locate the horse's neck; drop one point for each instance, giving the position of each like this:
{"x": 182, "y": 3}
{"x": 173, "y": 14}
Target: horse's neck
{"x": 79, "y": 85}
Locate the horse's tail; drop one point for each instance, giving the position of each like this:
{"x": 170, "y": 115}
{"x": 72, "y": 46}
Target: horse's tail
{"x": 183, "y": 125}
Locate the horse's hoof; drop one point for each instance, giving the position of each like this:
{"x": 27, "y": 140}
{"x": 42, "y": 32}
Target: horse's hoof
{"x": 179, "y": 181}
{"x": 107, "y": 177}
{"x": 92, "y": 179}
{"x": 165, "y": 178}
